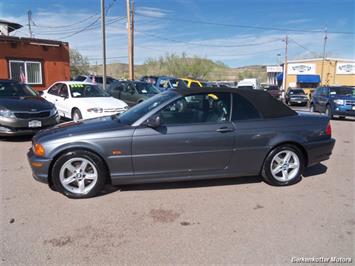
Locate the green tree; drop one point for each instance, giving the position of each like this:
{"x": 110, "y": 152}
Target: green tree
{"x": 79, "y": 64}
{"x": 181, "y": 66}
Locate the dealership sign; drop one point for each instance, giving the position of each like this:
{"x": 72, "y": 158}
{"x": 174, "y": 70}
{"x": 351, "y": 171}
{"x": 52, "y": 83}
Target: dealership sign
{"x": 300, "y": 68}
{"x": 274, "y": 69}
{"x": 345, "y": 68}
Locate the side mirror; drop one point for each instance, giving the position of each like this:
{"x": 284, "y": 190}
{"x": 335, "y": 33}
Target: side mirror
{"x": 40, "y": 93}
{"x": 153, "y": 121}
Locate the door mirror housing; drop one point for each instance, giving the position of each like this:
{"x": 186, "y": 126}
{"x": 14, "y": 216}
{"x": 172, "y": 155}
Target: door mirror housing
{"x": 63, "y": 95}
{"x": 154, "y": 121}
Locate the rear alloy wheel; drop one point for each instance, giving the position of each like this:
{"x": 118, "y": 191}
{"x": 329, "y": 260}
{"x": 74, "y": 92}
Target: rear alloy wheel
{"x": 79, "y": 174}
{"x": 76, "y": 116}
{"x": 328, "y": 112}
{"x": 283, "y": 166}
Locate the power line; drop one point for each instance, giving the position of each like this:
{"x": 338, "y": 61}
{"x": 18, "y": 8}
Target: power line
{"x": 300, "y": 45}
{"x": 245, "y": 26}
{"x": 209, "y": 45}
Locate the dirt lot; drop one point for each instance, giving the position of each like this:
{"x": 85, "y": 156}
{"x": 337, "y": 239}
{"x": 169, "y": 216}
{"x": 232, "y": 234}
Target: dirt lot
{"x": 235, "y": 221}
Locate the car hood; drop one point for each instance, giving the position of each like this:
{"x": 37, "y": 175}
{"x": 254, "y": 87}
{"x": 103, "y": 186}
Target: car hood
{"x": 25, "y": 104}
{"x": 83, "y": 127}
{"x": 101, "y": 102}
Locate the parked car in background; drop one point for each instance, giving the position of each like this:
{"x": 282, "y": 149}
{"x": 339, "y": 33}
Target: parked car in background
{"x": 23, "y": 111}
{"x": 193, "y": 83}
{"x": 181, "y": 135}
{"x": 249, "y": 84}
{"x": 273, "y": 90}
{"x": 80, "y": 100}
{"x": 149, "y": 79}
{"x": 91, "y": 78}
{"x": 334, "y": 101}
{"x": 165, "y": 83}
{"x": 296, "y": 97}
{"x": 132, "y": 92}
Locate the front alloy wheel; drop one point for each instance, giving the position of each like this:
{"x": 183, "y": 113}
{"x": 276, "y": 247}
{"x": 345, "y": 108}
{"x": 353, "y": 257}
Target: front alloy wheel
{"x": 79, "y": 174}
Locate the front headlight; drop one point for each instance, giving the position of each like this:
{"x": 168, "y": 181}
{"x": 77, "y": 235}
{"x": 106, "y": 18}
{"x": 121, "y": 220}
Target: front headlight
{"x": 339, "y": 102}
{"x": 54, "y": 111}
{"x": 6, "y": 113}
{"x": 95, "y": 110}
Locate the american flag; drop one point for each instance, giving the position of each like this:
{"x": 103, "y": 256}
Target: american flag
{"x": 22, "y": 76}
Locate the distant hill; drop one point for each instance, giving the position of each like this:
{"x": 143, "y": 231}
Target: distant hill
{"x": 120, "y": 70}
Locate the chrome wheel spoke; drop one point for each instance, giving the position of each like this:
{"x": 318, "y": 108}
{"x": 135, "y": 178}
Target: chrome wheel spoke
{"x": 285, "y": 174}
{"x": 293, "y": 165}
{"x": 69, "y": 179}
{"x": 90, "y": 176}
{"x": 83, "y": 165}
{"x": 277, "y": 169}
{"x": 71, "y": 168}
{"x": 287, "y": 157}
{"x": 81, "y": 185}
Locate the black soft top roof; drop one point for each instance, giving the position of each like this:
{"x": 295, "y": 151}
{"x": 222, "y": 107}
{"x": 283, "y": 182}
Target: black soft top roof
{"x": 267, "y": 105}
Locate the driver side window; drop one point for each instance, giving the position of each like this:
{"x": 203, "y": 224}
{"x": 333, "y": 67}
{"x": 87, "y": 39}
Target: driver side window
{"x": 197, "y": 108}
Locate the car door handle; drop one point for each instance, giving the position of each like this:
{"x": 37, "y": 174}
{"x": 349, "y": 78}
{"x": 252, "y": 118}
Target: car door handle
{"x": 225, "y": 129}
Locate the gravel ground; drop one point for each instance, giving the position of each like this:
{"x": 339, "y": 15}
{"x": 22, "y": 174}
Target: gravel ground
{"x": 234, "y": 221}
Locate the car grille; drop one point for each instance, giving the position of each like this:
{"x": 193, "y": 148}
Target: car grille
{"x": 114, "y": 110}
{"x": 31, "y": 115}
{"x": 350, "y": 102}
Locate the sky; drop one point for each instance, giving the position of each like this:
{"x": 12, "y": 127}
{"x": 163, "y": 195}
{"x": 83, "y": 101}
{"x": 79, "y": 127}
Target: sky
{"x": 235, "y": 32}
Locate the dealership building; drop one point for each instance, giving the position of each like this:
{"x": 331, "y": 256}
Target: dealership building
{"x": 311, "y": 73}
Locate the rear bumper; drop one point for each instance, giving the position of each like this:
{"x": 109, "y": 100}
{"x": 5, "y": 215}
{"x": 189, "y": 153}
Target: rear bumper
{"x": 319, "y": 151}
{"x": 39, "y": 166}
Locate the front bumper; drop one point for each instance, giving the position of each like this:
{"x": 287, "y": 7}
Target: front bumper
{"x": 344, "y": 110}
{"x": 319, "y": 151}
{"x": 40, "y": 167}
{"x": 17, "y": 127}
{"x": 298, "y": 100}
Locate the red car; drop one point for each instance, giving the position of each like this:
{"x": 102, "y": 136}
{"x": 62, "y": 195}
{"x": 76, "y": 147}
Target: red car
{"x": 273, "y": 90}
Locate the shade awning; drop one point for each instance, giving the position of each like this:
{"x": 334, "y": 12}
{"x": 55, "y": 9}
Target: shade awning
{"x": 308, "y": 78}
{"x": 280, "y": 76}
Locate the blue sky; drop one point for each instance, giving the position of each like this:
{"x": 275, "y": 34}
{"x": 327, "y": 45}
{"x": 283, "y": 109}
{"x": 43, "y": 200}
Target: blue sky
{"x": 177, "y": 26}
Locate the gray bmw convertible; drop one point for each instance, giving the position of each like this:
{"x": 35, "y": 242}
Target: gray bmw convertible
{"x": 183, "y": 135}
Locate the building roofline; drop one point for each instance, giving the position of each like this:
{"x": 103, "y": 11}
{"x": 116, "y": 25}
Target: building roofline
{"x": 320, "y": 59}
{"x": 30, "y": 40}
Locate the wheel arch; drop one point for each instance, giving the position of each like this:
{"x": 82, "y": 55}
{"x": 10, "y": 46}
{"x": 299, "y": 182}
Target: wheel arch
{"x": 292, "y": 143}
{"x": 73, "y": 148}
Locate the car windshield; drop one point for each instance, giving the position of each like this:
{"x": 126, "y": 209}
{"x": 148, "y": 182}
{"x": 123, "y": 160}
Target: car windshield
{"x": 347, "y": 91}
{"x": 146, "y": 88}
{"x": 14, "y": 89}
{"x": 292, "y": 92}
{"x": 87, "y": 90}
{"x": 272, "y": 88}
{"x": 246, "y": 87}
{"x": 137, "y": 111}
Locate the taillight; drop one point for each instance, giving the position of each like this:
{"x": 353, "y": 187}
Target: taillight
{"x": 328, "y": 130}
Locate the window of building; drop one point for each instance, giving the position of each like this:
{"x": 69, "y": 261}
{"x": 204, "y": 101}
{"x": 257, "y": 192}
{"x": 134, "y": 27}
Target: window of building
{"x": 28, "y": 71}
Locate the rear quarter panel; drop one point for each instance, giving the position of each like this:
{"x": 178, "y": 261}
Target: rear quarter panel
{"x": 255, "y": 139}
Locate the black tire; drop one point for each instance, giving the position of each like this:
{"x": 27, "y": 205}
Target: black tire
{"x": 94, "y": 159}
{"x": 76, "y": 113}
{"x": 342, "y": 117}
{"x": 266, "y": 171}
{"x": 328, "y": 112}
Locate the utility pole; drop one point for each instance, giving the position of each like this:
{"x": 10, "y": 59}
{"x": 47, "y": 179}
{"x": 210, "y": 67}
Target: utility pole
{"x": 284, "y": 80}
{"x": 103, "y": 44}
{"x": 324, "y": 45}
{"x": 130, "y": 30}
{"x": 29, "y": 18}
